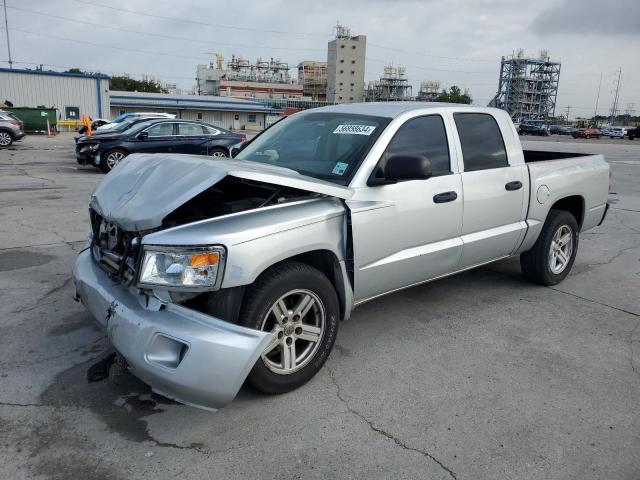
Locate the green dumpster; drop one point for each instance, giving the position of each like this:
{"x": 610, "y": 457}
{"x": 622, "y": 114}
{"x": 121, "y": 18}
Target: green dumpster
{"x": 35, "y": 119}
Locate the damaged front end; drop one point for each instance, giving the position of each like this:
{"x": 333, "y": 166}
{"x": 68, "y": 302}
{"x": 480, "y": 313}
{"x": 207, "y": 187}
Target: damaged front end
{"x": 156, "y": 314}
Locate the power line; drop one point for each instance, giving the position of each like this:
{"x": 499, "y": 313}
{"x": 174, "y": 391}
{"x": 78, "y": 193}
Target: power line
{"x": 197, "y": 22}
{"x": 421, "y": 54}
{"x": 158, "y": 35}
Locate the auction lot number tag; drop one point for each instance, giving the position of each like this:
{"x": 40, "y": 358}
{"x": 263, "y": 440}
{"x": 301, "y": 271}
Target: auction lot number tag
{"x": 349, "y": 129}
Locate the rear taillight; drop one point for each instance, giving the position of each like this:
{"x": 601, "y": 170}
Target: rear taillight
{"x": 15, "y": 122}
{"x": 243, "y": 138}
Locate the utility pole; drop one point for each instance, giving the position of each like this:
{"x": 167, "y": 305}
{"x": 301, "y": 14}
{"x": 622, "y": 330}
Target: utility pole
{"x": 616, "y": 97}
{"x": 6, "y": 29}
{"x": 568, "y": 110}
{"x": 595, "y": 112}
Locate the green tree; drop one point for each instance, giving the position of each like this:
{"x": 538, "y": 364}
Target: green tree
{"x": 74, "y": 70}
{"x": 454, "y": 95}
{"x": 126, "y": 84}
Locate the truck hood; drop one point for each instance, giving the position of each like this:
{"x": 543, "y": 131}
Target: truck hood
{"x": 143, "y": 189}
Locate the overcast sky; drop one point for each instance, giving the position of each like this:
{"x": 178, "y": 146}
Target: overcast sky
{"x": 453, "y": 41}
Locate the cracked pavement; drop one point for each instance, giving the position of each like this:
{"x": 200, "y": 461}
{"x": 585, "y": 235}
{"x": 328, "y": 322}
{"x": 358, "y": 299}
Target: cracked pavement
{"x": 481, "y": 375}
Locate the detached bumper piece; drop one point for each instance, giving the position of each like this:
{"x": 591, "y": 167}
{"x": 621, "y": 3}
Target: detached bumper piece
{"x": 182, "y": 354}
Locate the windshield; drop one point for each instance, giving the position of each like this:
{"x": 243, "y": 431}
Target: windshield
{"x": 325, "y": 145}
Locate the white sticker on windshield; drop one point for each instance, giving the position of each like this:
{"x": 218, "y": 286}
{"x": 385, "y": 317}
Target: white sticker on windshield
{"x": 340, "y": 168}
{"x": 348, "y": 129}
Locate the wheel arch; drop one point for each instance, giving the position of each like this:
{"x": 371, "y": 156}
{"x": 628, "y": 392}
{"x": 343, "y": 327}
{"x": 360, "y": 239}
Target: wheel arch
{"x": 230, "y": 299}
{"x": 574, "y": 204}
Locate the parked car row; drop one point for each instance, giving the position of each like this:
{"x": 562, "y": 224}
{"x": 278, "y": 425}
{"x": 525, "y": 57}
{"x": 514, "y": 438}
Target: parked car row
{"x": 611, "y": 132}
{"x": 107, "y": 147}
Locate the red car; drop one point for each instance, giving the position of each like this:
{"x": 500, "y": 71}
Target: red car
{"x": 586, "y": 133}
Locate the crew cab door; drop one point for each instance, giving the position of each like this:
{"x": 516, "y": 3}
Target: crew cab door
{"x": 494, "y": 190}
{"x": 408, "y": 232}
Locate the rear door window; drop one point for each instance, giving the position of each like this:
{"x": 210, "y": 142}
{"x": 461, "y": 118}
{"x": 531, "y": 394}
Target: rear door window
{"x": 482, "y": 144}
{"x": 190, "y": 129}
{"x": 161, "y": 130}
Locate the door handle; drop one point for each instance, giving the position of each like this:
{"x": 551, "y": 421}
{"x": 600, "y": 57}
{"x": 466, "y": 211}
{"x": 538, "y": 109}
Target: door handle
{"x": 445, "y": 197}
{"x": 516, "y": 185}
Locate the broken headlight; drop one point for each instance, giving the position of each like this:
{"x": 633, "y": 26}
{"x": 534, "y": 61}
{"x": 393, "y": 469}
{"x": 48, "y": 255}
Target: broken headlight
{"x": 192, "y": 268}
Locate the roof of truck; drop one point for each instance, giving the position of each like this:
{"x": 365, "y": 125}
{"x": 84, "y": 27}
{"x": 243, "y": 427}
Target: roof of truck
{"x": 389, "y": 109}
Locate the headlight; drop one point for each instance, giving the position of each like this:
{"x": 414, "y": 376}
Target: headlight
{"x": 193, "y": 268}
{"x": 90, "y": 148}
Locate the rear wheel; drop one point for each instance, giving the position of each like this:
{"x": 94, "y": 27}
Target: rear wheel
{"x": 111, "y": 158}
{"x": 6, "y": 138}
{"x": 298, "y": 304}
{"x": 218, "y": 153}
{"x": 551, "y": 258}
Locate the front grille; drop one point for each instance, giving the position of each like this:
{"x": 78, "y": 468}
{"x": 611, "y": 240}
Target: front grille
{"x": 114, "y": 249}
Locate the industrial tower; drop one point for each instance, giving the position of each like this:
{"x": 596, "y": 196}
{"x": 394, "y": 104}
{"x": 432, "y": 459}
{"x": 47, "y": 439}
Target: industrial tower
{"x": 528, "y": 87}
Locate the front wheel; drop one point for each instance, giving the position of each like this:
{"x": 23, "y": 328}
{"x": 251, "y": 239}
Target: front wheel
{"x": 6, "y": 139}
{"x": 111, "y": 158}
{"x": 551, "y": 258}
{"x": 299, "y": 305}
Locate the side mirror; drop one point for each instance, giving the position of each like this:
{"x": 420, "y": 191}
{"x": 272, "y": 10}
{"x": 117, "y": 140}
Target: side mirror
{"x": 142, "y": 135}
{"x": 237, "y": 148}
{"x": 402, "y": 167}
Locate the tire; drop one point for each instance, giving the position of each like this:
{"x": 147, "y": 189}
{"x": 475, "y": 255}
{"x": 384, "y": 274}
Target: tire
{"x": 6, "y": 138}
{"x": 537, "y": 263}
{"x": 218, "y": 152}
{"x": 116, "y": 155}
{"x": 290, "y": 282}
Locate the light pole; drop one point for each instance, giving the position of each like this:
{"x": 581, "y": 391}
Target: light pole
{"x": 6, "y": 29}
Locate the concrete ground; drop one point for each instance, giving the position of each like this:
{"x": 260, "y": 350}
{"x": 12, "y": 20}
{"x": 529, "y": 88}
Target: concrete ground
{"x": 479, "y": 376}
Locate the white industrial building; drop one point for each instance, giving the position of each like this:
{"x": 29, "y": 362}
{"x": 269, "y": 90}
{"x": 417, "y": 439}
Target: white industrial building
{"x": 71, "y": 93}
{"x": 221, "y": 111}
{"x": 74, "y": 94}
{"x": 345, "y": 67}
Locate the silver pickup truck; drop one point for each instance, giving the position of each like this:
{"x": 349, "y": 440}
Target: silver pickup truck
{"x": 208, "y": 273}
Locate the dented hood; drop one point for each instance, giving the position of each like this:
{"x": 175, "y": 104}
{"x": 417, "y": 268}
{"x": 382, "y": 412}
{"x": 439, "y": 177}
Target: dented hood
{"x": 145, "y": 188}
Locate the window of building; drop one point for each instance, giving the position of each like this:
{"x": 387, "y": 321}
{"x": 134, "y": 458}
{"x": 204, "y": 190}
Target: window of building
{"x": 161, "y": 130}
{"x": 340, "y": 83}
{"x": 251, "y": 118}
{"x": 350, "y": 98}
{"x": 342, "y": 60}
{"x": 353, "y": 72}
{"x": 339, "y": 98}
{"x": 353, "y": 61}
{"x": 481, "y": 141}
{"x": 189, "y": 129}
{"x": 341, "y": 71}
{"x": 199, "y": 115}
{"x": 353, "y": 47}
{"x": 217, "y": 116}
{"x": 122, "y": 112}
{"x": 353, "y": 84}
{"x": 341, "y": 46}
{"x": 422, "y": 136}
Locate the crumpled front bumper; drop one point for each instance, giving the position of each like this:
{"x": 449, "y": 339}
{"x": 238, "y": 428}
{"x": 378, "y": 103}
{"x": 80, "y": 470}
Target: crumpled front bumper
{"x": 182, "y": 354}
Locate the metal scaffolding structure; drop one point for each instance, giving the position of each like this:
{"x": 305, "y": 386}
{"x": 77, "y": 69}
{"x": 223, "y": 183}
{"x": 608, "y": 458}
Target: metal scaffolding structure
{"x": 392, "y": 86}
{"x": 269, "y": 71}
{"x": 313, "y": 78}
{"x": 429, "y": 90}
{"x": 528, "y": 87}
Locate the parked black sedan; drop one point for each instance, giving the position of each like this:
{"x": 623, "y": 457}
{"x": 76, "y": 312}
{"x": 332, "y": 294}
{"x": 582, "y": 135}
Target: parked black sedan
{"x": 105, "y": 151}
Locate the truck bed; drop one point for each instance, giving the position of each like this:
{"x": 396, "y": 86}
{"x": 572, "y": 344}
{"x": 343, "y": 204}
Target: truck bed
{"x": 531, "y": 156}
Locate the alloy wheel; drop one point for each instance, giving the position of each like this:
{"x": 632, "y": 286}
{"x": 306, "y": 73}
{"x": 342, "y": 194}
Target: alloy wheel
{"x": 561, "y": 249}
{"x": 5, "y": 139}
{"x": 114, "y": 159}
{"x": 297, "y": 320}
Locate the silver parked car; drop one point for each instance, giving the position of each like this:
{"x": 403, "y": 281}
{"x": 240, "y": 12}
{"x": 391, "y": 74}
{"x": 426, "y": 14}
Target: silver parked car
{"x": 206, "y": 273}
{"x": 11, "y": 128}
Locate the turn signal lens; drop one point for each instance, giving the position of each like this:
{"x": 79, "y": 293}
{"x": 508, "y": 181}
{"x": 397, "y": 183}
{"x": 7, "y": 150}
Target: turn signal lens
{"x": 205, "y": 259}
